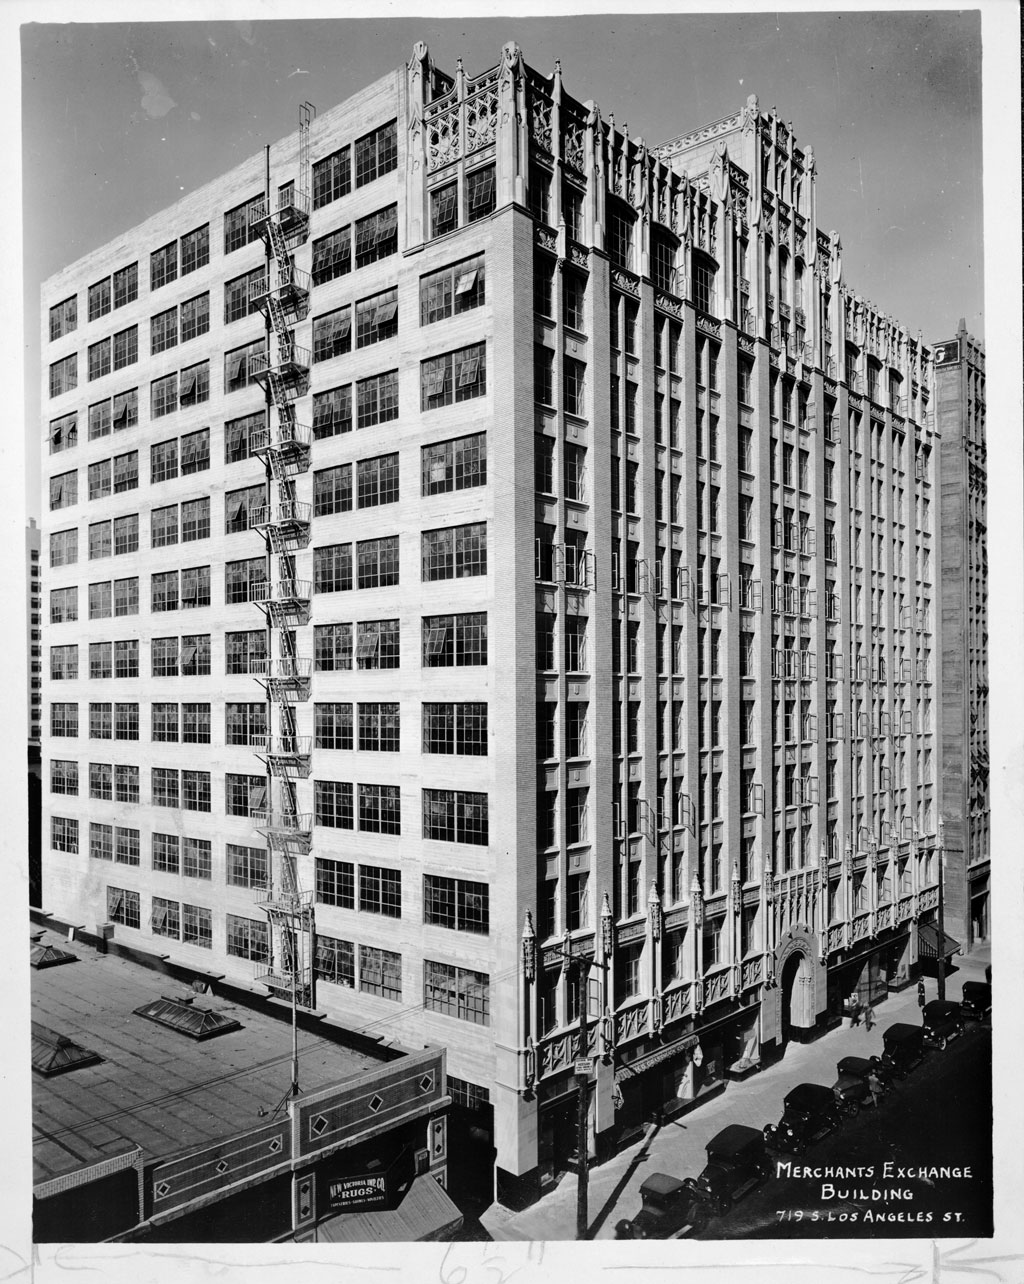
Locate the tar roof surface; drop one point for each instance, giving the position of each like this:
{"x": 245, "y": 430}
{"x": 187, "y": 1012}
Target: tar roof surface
{"x": 157, "y": 1088}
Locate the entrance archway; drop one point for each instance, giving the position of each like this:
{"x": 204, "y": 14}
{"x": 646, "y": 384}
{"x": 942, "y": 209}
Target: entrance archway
{"x": 794, "y": 985}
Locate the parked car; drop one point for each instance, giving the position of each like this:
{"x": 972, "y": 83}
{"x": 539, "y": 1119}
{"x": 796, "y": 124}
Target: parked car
{"x": 976, "y": 1003}
{"x": 943, "y": 1021}
{"x": 668, "y": 1206}
{"x": 737, "y": 1162}
{"x": 852, "y": 1089}
{"x": 810, "y": 1112}
{"x": 903, "y": 1048}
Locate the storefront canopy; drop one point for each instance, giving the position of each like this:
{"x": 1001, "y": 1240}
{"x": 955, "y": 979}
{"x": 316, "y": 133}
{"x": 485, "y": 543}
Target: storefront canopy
{"x": 928, "y": 937}
{"x": 426, "y": 1213}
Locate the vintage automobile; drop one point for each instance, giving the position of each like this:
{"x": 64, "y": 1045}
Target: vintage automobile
{"x": 668, "y": 1207}
{"x": 737, "y": 1162}
{"x": 852, "y": 1089}
{"x": 943, "y": 1021}
{"x": 976, "y": 1002}
{"x": 903, "y": 1048}
{"x": 810, "y": 1112}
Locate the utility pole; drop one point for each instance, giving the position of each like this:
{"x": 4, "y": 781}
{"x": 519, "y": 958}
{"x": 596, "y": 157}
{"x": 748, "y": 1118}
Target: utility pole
{"x": 942, "y": 916}
{"x": 583, "y": 1102}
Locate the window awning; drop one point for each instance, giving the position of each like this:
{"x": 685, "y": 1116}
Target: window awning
{"x": 426, "y": 1213}
{"x": 928, "y": 936}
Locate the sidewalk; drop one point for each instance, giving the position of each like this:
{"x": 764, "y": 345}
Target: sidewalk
{"x": 678, "y": 1147}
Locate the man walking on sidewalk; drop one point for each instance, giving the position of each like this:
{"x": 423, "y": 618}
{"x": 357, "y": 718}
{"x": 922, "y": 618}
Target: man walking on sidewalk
{"x": 854, "y": 1010}
{"x": 869, "y": 1016}
{"x": 920, "y": 992}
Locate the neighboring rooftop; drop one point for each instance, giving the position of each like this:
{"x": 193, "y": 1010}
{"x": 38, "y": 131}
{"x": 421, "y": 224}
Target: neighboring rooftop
{"x": 155, "y": 1086}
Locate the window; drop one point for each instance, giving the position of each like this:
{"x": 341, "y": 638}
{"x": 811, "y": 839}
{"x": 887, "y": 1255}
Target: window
{"x": 196, "y": 859}
{"x": 238, "y": 295}
{"x": 163, "y": 460}
{"x": 335, "y": 961}
{"x": 63, "y": 776}
{"x": 64, "y": 490}
{"x": 99, "y": 359}
{"x": 380, "y": 972}
{"x": 574, "y": 374}
{"x": 333, "y": 804}
{"x": 126, "y": 409}
{"x": 64, "y": 375}
{"x": 63, "y": 605}
{"x": 126, "y": 846}
{"x": 163, "y": 266}
{"x": 377, "y": 480}
{"x": 64, "y": 662}
{"x": 454, "y": 552}
{"x": 377, "y": 318}
{"x": 453, "y": 376}
{"x": 100, "y": 781}
{"x": 165, "y": 853}
{"x": 126, "y": 472}
{"x": 197, "y": 926}
{"x": 101, "y": 660}
{"x": 163, "y": 330}
{"x": 377, "y": 236}
{"x": 245, "y": 652}
{"x": 332, "y": 334}
{"x": 480, "y": 193}
{"x": 377, "y": 399}
{"x": 164, "y": 786}
{"x": 195, "y": 317}
{"x": 126, "y": 534}
{"x": 63, "y": 548}
{"x": 99, "y": 300}
{"x": 123, "y": 907}
{"x": 574, "y": 289}
{"x": 165, "y": 918}
{"x": 238, "y": 504}
{"x": 243, "y": 794}
{"x": 379, "y": 728}
{"x": 238, "y": 230}
{"x": 195, "y": 249}
{"x": 619, "y": 240}
{"x": 444, "y": 209}
{"x": 195, "y": 520}
{"x": 457, "y": 904}
{"x": 332, "y": 490}
{"x": 163, "y": 396}
{"x": 244, "y": 724}
{"x": 241, "y": 577}
{"x": 238, "y": 362}
{"x": 380, "y": 810}
{"x": 459, "y": 728}
{"x": 195, "y": 724}
{"x": 332, "y": 726}
{"x": 64, "y": 431}
{"x": 704, "y": 273}
{"x": 332, "y": 255}
{"x": 457, "y": 992}
{"x": 99, "y": 601}
{"x": 194, "y": 387}
{"x": 164, "y": 591}
{"x": 452, "y": 290}
{"x": 63, "y": 719}
{"x": 164, "y": 722}
{"x": 126, "y": 285}
{"x": 126, "y": 722}
{"x": 332, "y": 568}
{"x": 663, "y": 262}
{"x": 332, "y": 646}
{"x": 126, "y": 786}
{"x": 457, "y": 464}
{"x": 332, "y": 177}
{"x": 380, "y": 891}
{"x": 245, "y": 866}
{"x": 238, "y": 435}
{"x": 376, "y": 153}
{"x": 544, "y": 285}
{"x": 126, "y": 596}
{"x": 455, "y": 817}
{"x": 454, "y": 640}
{"x": 100, "y": 722}
{"x": 64, "y": 316}
{"x": 335, "y": 883}
{"x": 332, "y": 412}
{"x": 248, "y": 938}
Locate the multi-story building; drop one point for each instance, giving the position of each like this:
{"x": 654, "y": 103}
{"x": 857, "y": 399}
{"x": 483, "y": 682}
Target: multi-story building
{"x": 536, "y": 534}
{"x": 963, "y": 558}
{"x": 34, "y": 652}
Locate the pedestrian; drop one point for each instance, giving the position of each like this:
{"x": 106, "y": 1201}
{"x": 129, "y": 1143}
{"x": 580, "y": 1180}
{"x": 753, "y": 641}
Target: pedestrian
{"x": 854, "y": 1010}
{"x": 920, "y": 991}
{"x": 869, "y": 1016}
{"x": 874, "y": 1087}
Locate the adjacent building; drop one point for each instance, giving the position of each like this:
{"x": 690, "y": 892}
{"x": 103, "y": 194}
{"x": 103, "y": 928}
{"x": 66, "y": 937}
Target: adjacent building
{"x": 963, "y": 557}
{"x": 34, "y": 651}
{"x": 483, "y": 547}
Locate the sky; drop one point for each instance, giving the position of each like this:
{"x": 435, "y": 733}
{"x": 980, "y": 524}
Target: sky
{"x": 122, "y": 119}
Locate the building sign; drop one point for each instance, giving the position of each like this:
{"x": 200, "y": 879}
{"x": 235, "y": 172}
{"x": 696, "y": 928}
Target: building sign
{"x": 369, "y": 1190}
{"x": 947, "y": 354}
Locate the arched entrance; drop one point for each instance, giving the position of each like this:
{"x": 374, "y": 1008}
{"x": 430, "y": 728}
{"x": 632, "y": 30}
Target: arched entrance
{"x": 795, "y": 996}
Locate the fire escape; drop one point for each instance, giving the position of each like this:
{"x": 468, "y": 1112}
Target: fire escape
{"x": 282, "y": 294}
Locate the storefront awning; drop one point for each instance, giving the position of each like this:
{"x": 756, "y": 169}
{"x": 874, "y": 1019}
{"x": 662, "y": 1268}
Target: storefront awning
{"x": 928, "y": 935}
{"x": 426, "y": 1213}
{"x": 656, "y": 1057}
